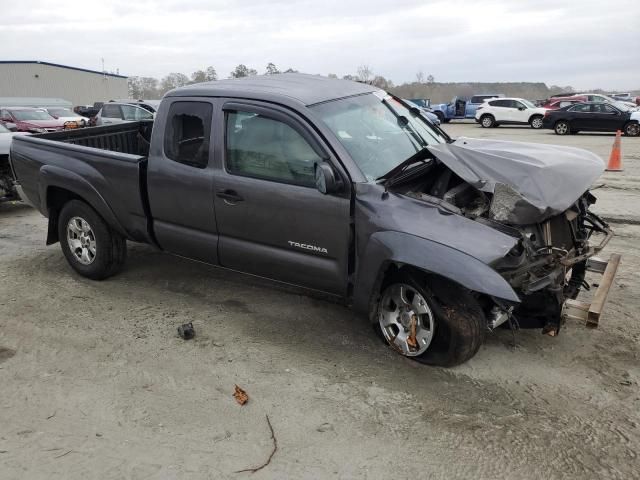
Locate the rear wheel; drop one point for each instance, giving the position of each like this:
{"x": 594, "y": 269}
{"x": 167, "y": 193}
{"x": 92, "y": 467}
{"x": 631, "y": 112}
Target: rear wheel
{"x": 562, "y": 127}
{"x": 536, "y": 121}
{"x": 92, "y": 248}
{"x": 487, "y": 121}
{"x": 632, "y": 129}
{"x": 442, "y": 327}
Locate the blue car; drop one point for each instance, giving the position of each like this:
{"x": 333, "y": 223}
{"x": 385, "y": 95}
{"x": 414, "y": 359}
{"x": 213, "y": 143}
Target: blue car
{"x": 424, "y": 105}
{"x": 461, "y": 107}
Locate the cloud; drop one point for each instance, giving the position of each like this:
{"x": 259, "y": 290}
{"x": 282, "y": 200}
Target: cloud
{"x": 570, "y": 43}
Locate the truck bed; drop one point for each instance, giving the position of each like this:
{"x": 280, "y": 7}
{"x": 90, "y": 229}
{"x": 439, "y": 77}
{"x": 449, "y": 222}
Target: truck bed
{"x": 130, "y": 137}
{"x": 104, "y": 165}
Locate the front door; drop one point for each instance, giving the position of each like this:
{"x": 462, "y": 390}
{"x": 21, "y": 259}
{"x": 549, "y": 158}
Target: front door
{"x": 606, "y": 118}
{"x": 272, "y": 220}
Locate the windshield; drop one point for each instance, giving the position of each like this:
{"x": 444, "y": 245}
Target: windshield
{"x": 24, "y": 115}
{"x": 378, "y": 131}
{"x": 528, "y": 103}
{"x": 61, "y": 112}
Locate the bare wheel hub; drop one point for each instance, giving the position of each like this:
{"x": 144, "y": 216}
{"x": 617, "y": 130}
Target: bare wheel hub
{"x": 81, "y": 240}
{"x": 405, "y": 319}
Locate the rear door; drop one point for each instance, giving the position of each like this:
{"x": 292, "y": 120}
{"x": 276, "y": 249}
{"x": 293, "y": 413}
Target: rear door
{"x": 180, "y": 179}
{"x": 579, "y": 116}
{"x": 272, "y": 220}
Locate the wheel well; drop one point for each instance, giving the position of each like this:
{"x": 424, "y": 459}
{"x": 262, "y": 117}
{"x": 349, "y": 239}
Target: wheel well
{"x": 487, "y": 115}
{"x": 535, "y": 115}
{"x": 437, "y": 283}
{"x": 56, "y": 199}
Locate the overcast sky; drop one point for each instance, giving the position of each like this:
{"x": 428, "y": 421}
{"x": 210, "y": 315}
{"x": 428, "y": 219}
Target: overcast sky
{"x": 583, "y": 43}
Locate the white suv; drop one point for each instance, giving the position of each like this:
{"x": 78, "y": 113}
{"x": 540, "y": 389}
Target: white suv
{"x": 509, "y": 111}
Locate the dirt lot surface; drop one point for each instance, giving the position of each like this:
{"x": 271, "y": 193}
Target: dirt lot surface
{"x": 95, "y": 383}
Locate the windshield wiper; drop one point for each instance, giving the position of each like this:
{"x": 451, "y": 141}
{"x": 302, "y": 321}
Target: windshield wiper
{"x": 404, "y": 169}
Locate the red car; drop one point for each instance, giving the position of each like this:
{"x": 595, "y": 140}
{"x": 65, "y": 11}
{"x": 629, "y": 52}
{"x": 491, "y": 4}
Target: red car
{"x": 34, "y": 120}
{"x": 554, "y": 103}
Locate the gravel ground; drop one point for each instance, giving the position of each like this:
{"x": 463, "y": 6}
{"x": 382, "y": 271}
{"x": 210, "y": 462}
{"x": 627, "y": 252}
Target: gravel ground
{"x": 94, "y": 382}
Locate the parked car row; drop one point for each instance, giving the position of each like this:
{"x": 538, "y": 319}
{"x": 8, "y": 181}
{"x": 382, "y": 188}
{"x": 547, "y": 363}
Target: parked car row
{"x": 593, "y": 117}
{"x": 39, "y": 120}
{"x": 565, "y": 115}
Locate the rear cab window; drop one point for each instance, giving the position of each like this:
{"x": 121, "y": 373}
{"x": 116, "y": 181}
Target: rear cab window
{"x": 187, "y": 133}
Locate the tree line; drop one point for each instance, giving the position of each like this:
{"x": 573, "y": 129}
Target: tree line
{"x": 424, "y": 86}
{"x": 150, "y": 88}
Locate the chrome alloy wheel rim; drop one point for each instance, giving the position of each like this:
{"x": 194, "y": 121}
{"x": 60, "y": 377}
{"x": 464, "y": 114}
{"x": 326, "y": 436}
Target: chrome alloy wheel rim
{"x": 406, "y": 320}
{"x": 562, "y": 128}
{"x": 81, "y": 240}
{"x": 536, "y": 123}
{"x": 486, "y": 122}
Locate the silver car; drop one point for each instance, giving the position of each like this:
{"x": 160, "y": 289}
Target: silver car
{"x": 113, "y": 112}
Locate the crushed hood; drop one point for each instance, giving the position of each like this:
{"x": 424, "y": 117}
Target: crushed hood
{"x": 530, "y": 182}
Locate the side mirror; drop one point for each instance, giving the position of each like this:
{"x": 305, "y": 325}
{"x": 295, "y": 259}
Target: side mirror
{"x": 11, "y": 126}
{"x": 325, "y": 178}
{"x": 521, "y": 109}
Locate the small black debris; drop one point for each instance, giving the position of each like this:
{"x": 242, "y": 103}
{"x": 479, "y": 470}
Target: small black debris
{"x": 186, "y": 331}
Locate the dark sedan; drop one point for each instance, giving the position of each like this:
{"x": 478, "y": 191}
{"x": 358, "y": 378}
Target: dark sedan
{"x": 593, "y": 117}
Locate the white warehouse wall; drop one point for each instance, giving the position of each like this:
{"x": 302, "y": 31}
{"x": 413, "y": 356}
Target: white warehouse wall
{"x": 80, "y": 87}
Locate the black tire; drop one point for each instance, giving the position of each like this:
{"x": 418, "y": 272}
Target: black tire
{"x": 536, "y": 122}
{"x": 632, "y": 129}
{"x": 460, "y": 324}
{"x": 110, "y": 247}
{"x": 487, "y": 121}
{"x": 440, "y": 116}
{"x": 447, "y": 120}
{"x": 562, "y": 127}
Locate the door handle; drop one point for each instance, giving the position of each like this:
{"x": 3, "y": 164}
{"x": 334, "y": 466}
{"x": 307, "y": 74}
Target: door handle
{"x": 230, "y": 197}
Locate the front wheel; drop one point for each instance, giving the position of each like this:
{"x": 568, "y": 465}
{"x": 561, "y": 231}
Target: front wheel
{"x": 536, "y": 122}
{"x": 632, "y": 129}
{"x": 487, "y": 121}
{"x": 445, "y": 328}
{"x": 92, "y": 248}
{"x": 562, "y": 128}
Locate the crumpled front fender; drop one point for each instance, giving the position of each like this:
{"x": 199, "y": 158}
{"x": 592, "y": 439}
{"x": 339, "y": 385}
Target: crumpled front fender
{"x": 388, "y": 247}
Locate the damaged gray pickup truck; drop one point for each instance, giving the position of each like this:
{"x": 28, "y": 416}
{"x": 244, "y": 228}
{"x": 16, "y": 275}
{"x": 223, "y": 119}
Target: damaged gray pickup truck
{"x": 338, "y": 187}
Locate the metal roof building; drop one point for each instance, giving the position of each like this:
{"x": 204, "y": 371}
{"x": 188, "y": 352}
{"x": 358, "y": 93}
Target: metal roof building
{"x": 43, "y": 79}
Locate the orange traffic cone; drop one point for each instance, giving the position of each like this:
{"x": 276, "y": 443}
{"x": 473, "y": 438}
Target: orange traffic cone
{"x": 615, "y": 159}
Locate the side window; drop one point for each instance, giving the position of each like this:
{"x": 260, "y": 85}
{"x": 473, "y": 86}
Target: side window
{"x": 516, "y": 104}
{"x": 500, "y": 103}
{"x": 581, "y": 107}
{"x": 131, "y": 112}
{"x": 110, "y": 111}
{"x": 258, "y": 146}
{"x": 187, "y": 133}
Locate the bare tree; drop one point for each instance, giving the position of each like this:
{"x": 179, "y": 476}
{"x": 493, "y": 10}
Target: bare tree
{"x": 431, "y": 79}
{"x": 173, "y": 80}
{"x": 364, "y": 73}
{"x": 420, "y": 76}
